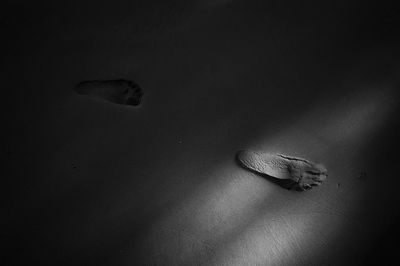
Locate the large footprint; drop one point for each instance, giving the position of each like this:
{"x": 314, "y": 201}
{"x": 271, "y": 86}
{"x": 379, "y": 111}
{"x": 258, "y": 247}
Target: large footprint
{"x": 303, "y": 173}
{"x": 117, "y": 91}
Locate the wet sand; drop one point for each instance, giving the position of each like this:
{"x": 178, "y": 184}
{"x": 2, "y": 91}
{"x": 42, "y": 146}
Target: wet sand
{"x": 94, "y": 183}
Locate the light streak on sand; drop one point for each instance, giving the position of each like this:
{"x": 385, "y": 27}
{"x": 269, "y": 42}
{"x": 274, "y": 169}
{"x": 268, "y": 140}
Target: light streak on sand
{"x": 283, "y": 237}
{"x": 218, "y": 208}
{"x": 279, "y": 238}
{"x": 357, "y": 117}
{"x": 238, "y": 218}
{"x": 346, "y": 121}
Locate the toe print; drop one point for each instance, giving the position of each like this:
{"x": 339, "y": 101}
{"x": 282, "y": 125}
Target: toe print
{"x": 118, "y": 91}
{"x": 303, "y": 173}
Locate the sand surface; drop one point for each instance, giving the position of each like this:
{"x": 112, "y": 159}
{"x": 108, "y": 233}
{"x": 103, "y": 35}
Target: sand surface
{"x": 94, "y": 183}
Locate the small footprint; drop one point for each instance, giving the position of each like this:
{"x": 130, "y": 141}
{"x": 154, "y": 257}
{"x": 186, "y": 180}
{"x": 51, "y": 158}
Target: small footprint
{"x": 119, "y": 91}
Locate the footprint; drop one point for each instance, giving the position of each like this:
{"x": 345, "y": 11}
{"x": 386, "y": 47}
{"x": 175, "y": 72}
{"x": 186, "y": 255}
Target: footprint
{"x": 117, "y": 91}
{"x": 303, "y": 174}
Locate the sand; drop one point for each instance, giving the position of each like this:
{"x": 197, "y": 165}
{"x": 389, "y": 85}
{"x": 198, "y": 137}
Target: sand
{"x": 94, "y": 183}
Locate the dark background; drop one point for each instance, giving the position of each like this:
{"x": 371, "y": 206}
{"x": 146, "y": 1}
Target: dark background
{"x": 91, "y": 183}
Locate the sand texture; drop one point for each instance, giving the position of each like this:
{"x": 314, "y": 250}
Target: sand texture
{"x": 91, "y": 180}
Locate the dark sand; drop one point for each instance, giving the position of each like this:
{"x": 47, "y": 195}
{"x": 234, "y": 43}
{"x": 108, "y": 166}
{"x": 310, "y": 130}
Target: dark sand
{"x": 93, "y": 183}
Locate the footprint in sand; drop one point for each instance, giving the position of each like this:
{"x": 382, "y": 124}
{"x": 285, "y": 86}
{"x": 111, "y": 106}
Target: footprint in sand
{"x": 302, "y": 173}
{"x": 117, "y": 91}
